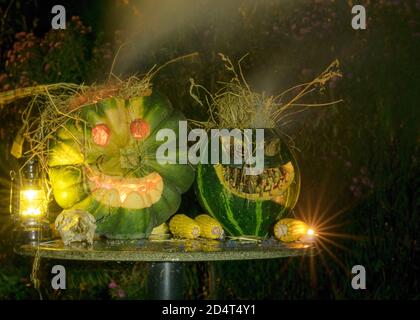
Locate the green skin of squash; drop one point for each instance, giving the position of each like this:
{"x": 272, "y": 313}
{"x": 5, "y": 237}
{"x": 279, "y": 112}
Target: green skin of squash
{"x": 241, "y": 216}
{"x": 73, "y": 153}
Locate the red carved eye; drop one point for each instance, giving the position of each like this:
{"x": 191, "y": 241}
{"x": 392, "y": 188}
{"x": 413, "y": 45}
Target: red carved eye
{"x": 101, "y": 134}
{"x": 139, "y": 129}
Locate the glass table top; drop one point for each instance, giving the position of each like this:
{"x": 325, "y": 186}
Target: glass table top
{"x": 167, "y": 250}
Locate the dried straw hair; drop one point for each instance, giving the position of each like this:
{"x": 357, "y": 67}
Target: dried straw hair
{"x": 235, "y": 105}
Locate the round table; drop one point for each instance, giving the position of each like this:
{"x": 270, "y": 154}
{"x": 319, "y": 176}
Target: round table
{"x": 167, "y": 257}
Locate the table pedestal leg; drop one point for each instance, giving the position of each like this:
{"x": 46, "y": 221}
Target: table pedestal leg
{"x": 165, "y": 280}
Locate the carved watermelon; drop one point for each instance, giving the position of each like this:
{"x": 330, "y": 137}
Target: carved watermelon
{"x": 249, "y": 205}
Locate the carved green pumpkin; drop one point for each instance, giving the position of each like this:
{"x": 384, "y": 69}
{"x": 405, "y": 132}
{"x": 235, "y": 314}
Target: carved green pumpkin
{"x": 104, "y": 161}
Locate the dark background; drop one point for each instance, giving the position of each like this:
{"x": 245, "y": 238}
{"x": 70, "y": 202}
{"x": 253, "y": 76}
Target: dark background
{"x": 359, "y": 159}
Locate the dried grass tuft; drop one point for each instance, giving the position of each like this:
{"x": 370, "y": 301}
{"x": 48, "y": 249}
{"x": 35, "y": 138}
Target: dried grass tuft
{"x": 235, "y": 105}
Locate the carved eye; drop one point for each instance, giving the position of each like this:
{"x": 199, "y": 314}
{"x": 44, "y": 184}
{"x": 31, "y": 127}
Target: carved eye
{"x": 101, "y": 134}
{"x": 234, "y": 147}
{"x": 272, "y": 147}
{"x": 139, "y": 129}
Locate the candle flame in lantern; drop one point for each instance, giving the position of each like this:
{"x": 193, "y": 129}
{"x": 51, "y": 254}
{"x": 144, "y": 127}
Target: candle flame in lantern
{"x": 29, "y": 194}
{"x": 32, "y": 202}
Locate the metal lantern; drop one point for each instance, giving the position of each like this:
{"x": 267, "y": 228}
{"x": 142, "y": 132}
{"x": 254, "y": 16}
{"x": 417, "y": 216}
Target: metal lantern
{"x": 33, "y": 205}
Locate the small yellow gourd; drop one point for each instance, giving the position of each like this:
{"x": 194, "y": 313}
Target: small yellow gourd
{"x": 182, "y": 226}
{"x": 160, "y": 230}
{"x": 288, "y": 229}
{"x": 210, "y": 228}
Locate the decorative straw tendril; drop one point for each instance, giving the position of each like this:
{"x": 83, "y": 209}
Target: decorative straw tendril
{"x": 235, "y": 105}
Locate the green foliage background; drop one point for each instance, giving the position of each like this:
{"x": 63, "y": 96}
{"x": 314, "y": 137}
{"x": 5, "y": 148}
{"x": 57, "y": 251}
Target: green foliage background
{"x": 361, "y": 155}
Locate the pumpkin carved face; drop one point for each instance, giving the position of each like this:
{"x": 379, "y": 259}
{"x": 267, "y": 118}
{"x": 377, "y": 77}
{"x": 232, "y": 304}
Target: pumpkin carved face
{"x": 104, "y": 162}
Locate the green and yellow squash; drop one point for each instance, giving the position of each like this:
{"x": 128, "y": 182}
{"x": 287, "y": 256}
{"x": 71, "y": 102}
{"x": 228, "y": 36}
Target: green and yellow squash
{"x": 103, "y": 160}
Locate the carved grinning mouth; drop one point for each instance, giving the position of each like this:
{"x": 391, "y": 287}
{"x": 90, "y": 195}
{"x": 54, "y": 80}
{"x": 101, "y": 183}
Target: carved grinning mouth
{"x": 133, "y": 193}
{"x": 269, "y": 185}
{"x": 116, "y": 190}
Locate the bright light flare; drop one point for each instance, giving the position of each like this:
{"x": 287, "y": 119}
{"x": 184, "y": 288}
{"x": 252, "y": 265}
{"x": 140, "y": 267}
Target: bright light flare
{"x": 33, "y": 203}
{"x": 309, "y": 236}
{"x": 30, "y": 194}
{"x": 31, "y": 212}
{"x": 325, "y": 218}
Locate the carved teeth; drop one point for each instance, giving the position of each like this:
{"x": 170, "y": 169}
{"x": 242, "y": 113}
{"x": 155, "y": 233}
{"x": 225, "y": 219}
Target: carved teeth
{"x": 269, "y": 182}
{"x": 133, "y": 193}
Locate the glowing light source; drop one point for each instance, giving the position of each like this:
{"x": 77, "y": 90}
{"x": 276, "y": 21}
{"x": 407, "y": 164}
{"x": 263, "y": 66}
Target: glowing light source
{"x": 32, "y": 206}
{"x": 32, "y": 198}
{"x": 33, "y": 202}
{"x": 309, "y": 236}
